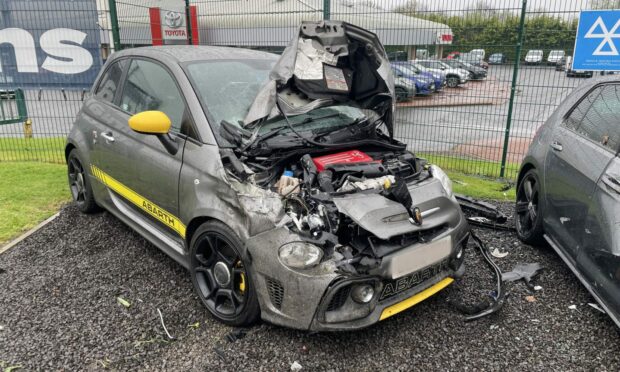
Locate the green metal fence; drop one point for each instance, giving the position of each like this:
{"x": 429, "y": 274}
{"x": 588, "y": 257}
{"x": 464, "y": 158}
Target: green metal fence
{"x": 481, "y": 127}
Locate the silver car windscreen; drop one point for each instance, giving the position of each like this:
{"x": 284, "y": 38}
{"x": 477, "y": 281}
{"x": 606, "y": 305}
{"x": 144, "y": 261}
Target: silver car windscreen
{"x": 327, "y": 62}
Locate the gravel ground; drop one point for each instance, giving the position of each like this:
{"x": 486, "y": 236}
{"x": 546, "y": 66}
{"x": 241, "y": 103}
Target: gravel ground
{"x": 59, "y": 311}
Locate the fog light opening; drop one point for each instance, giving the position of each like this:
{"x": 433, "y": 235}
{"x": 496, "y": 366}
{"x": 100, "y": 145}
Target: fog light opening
{"x": 362, "y": 293}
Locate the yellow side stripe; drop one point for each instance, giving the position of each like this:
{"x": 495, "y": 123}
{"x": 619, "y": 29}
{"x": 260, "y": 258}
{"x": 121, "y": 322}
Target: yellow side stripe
{"x": 415, "y": 299}
{"x": 146, "y": 205}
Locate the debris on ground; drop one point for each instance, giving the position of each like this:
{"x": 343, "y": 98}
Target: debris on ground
{"x": 597, "y": 307}
{"x": 496, "y": 253}
{"x": 194, "y": 325}
{"x": 573, "y": 307}
{"x": 236, "y": 334}
{"x": 123, "y": 302}
{"x": 296, "y": 366}
{"x": 538, "y": 288}
{"x": 523, "y": 271}
{"x": 2, "y": 271}
{"x": 530, "y": 298}
{"x": 481, "y": 208}
{"x": 220, "y": 353}
{"x": 161, "y": 317}
{"x": 496, "y": 299}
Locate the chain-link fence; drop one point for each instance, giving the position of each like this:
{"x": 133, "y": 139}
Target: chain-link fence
{"x": 485, "y": 74}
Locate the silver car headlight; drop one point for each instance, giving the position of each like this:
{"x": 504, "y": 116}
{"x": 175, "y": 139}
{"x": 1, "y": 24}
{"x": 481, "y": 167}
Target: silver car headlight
{"x": 443, "y": 178}
{"x": 300, "y": 255}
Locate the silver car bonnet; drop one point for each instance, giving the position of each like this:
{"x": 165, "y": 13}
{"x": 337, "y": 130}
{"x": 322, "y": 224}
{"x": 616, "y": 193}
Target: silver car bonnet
{"x": 327, "y": 62}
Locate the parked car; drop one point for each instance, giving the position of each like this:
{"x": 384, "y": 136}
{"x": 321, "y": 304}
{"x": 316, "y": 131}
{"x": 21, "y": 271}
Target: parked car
{"x": 534, "y": 57}
{"x": 555, "y": 56}
{"x": 409, "y": 70}
{"x": 497, "y": 59}
{"x": 475, "y": 72}
{"x": 568, "y": 191}
{"x": 480, "y": 53}
{"x": 454, "y": 76}
{"x": 286, "y": 198}
{"x": 424, "y": 85}
{"x": 561, "y": 64}
{"x": 474, "y": 59}
{"x": 575, "y": 73}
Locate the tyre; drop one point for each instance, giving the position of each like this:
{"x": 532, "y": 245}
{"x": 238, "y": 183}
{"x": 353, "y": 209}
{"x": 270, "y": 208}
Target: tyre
{"x": 528, "y": 209}
{"x": 79, "y": 184}
{"x": 401, "y": 94}
{"x": 452, "y": 81}
{"x": 220, "y": 276}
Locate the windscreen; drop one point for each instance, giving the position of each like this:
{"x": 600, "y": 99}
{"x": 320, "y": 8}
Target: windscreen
{"x": 227, "y": 88}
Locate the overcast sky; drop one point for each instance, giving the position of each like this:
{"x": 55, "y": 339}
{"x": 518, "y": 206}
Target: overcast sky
{"x": 555, "y": 6}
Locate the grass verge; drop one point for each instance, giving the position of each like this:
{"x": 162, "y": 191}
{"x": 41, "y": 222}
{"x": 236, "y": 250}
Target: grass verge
{"x": 29, "y": 193}
{"x": 481, "y": 188}
{"x": 47, "y": 150}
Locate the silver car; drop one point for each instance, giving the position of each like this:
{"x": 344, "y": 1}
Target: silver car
{"x": 276, "y": 181}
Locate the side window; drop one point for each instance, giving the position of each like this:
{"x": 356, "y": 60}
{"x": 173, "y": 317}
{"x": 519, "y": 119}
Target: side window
{"x": 573, "y": 121}
{"x": 110, "y": 81}
{"x": 601, "y": 123}
{"x": 150, "y": 87}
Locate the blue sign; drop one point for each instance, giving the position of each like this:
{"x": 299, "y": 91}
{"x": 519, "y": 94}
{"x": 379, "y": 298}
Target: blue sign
{"x": 596, "y": 45}
{"x": 49, "y": 44}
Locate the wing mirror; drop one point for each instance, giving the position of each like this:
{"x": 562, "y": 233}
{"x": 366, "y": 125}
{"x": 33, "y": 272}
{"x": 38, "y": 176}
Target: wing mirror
{"x": 155, "y": 123}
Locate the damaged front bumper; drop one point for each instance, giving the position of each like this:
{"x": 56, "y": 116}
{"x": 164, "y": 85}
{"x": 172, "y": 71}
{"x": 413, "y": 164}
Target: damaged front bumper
{"x": 319, "y": 298}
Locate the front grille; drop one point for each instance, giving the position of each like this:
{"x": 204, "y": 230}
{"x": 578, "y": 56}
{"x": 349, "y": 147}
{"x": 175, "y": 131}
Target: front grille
{"x": 339, "y": 298}
{"x": 276, "y": 292}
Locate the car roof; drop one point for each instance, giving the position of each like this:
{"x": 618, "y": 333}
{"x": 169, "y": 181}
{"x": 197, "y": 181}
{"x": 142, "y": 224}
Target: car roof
{"x": 192, "y": 53}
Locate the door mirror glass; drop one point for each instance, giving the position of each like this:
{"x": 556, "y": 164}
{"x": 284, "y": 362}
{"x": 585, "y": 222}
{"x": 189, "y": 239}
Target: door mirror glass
{"x": 150, "y": 122}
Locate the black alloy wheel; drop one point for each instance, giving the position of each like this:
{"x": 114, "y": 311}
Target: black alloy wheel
{"x": 79, "y": 185}
{"x": 529, "y": 209}
{"x": 220, "y": 277}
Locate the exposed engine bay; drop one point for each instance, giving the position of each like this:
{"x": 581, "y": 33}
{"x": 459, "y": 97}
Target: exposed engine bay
{"x": 318, "y": 139}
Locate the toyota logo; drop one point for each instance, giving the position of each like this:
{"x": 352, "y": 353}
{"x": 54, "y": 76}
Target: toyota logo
{"x": 173, "y": 19}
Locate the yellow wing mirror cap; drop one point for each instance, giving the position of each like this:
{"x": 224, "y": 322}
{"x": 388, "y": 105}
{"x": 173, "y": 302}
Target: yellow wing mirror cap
{"x": 150, "y": 122}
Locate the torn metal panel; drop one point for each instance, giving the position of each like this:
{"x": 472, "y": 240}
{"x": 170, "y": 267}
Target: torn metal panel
{"x": 328, "y": 61}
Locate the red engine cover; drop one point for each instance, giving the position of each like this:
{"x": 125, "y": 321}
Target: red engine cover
{"x": 352, "y": 156}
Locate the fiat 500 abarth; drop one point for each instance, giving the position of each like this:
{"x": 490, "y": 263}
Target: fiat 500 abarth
{"x": 275, "y": 180}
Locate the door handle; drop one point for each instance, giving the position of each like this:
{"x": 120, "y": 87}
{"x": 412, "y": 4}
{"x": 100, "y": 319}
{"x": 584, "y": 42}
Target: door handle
{"x": 612, "y": 182}
{"x": 108, "y": 136}
{"x": 556, "y": 146}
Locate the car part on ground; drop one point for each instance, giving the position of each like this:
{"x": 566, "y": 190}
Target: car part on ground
{"x": 481, "y": 208}
{"x": 485, "y": 307}
{"x": 523, "y": 271}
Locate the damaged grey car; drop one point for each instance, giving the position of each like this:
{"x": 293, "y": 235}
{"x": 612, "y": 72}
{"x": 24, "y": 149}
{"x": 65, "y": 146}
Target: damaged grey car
{"x": 275, "y": 180}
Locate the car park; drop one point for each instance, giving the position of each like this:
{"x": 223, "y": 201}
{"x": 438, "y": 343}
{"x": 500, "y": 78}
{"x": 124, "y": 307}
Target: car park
{"x": 497, "y": 59}
{"x": 534, "y": 57}
{"x": 454, "y": 77}
{"x": 555, "y": 56}
{"x": 475, "y": 72}
{"x": 406, "y": 69}
{"x": 568, "y": 191}
{"x": 276, "y": 181}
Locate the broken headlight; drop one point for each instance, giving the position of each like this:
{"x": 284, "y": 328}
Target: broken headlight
{"x": 300, "y": 255}
{"x": 443, "y": 178}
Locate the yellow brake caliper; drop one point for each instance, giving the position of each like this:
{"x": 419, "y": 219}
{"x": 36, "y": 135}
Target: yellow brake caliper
{"x": 241, "y": 278}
